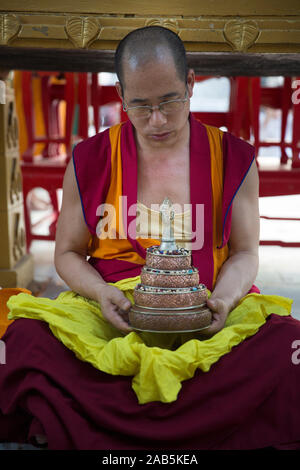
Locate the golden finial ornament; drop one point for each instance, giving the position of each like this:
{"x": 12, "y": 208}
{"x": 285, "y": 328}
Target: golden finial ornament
{"x": 241, "y": 34}
{"x": 10, "y": 26}
{"x": 82, "y": 31}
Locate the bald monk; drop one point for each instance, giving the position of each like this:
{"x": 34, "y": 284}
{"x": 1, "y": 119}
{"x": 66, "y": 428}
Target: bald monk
{"x": 151, "y": 67}
{"x": 72, "y": 383}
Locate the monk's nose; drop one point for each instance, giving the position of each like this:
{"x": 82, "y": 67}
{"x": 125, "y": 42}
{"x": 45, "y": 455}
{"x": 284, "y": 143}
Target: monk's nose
{"x": 157, "y": 118}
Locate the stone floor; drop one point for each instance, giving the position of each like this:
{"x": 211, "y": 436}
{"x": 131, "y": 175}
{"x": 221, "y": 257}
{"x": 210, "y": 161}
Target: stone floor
{"x": 16, "y": 446}
{"x": 279, "y": 274}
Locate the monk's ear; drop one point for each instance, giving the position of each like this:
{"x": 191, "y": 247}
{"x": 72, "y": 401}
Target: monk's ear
{"x": 190, "y": 81}
{"x": 119, "y": 89}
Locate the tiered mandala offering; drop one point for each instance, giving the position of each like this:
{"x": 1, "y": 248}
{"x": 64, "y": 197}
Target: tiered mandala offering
{"x": 169, "y": 297}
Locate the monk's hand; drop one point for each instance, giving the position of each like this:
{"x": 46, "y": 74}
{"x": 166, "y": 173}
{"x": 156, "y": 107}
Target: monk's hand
{"x": 115, "y": 307}
{"x": 220, "y": 310}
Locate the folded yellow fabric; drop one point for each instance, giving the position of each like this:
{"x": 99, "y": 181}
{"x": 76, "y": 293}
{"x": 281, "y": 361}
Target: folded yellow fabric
{"x": 158, "y": 363}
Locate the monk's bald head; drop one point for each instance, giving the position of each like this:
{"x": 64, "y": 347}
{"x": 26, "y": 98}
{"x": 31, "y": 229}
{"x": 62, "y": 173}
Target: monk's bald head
{"x": 150, "y": 44}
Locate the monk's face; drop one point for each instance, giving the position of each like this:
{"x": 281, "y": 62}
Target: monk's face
{"x": 152, "y": 83}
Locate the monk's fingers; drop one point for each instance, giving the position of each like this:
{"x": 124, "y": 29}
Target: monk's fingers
{"x": 219, "y": 312}
{"x": 218, "y": 306}
{"x": 124, "y": 314}
{"x": 115, "y": 295}
{"x": 115, "y": 307}
{"x": 111, "y": 313}
{"x": 216, "y": 325}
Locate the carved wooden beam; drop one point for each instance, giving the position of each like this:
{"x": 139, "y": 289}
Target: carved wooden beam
{"x": 202, "y": 29}
{"x": 204, "y": 63}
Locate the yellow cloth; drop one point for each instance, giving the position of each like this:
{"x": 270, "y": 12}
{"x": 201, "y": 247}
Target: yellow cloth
{"x": 158, "y": 363}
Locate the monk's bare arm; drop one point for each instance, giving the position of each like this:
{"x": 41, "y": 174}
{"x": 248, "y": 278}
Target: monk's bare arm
{"x": 72, "y": 238}
{"x": 238, "y": 273}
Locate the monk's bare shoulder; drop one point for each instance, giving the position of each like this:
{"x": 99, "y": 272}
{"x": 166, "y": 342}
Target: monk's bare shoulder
{"x": 245, "y": 214}
{"x": 72, "y": 233}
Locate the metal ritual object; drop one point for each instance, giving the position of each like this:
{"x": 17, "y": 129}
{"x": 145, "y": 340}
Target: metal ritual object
{"x": 170, "y": 298}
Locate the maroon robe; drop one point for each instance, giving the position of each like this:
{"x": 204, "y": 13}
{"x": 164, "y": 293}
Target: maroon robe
{"x": 248, "y": 400}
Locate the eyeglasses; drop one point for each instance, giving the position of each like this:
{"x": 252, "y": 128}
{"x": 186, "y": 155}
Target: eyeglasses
{"x": 166, "y": 107}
